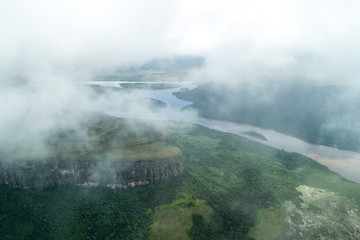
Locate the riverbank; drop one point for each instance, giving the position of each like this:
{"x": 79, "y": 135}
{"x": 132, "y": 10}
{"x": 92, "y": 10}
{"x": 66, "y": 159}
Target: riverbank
{"x": 343, "y": 162}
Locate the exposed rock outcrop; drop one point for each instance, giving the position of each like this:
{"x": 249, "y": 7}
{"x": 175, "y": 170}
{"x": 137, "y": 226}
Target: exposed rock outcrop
{"x": 118, "y": 172}
{"x": 112, "y": 154}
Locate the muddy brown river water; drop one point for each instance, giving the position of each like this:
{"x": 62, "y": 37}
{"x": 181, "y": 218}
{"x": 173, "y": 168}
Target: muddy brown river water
{"x": 346, "y": 163}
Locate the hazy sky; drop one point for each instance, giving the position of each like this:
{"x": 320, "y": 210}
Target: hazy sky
{"x": 233, "y": 34}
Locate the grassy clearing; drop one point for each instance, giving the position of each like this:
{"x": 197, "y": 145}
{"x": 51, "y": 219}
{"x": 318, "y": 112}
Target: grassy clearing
{"x": 174, "y": 220}
{"x": 158, "y": 150}
{"x": 329, "y": 181}
{"x": 155, "y": 151}
{"x": 269, "y": 224}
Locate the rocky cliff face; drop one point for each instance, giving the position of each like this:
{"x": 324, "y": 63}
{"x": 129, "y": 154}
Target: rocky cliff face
{"x": 89, "y": 172}
{"x": 115, "y": 156}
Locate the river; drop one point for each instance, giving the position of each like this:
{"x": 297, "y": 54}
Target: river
{"x": 346, "y": 163}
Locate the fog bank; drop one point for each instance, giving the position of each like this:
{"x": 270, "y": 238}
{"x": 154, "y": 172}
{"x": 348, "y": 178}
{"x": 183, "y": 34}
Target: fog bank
{"x": 49, "y": 46}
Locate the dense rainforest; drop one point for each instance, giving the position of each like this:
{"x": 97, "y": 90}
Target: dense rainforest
{"x": 320, "y": 114}
{"x": 229, "y": 188}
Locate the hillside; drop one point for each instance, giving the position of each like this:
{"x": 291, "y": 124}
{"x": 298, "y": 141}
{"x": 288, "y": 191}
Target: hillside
{"x": 104, "y": 151}
{"x": 320, "y": 114}
{"x": 229, "y": 188}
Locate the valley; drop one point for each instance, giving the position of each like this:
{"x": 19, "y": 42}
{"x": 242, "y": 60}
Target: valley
{"x": 223, "y": 189}
{"x": 179, "y": 120}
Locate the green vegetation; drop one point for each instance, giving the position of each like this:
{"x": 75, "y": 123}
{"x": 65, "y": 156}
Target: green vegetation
{"x": 104, "y": 151}
{"x": 152, "y": 86}
{"x": 269, "y": 225}
{"x": 158, "y": 150}
{"x": 231, "y": 188}
{"x": 318, "y": 114}
{"x": 146, "y": 75}
{"x": 255, "y": 135}
{"x": 70, "y": 212}
{"x": 174, "y": 220}
{"x": 156, "y": 70}
{"x": 100, "y": 90}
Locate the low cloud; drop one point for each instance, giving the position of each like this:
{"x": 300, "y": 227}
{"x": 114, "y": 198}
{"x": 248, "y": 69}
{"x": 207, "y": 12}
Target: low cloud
{"x": 47, "y": 47}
